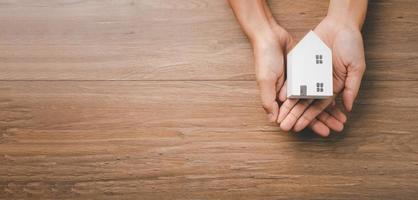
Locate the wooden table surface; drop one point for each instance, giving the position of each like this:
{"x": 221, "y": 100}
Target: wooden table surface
{"x": 156, "y": 99}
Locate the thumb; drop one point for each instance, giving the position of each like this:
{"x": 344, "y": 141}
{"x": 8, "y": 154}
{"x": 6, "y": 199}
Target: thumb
{"x": 268, "y": 98}
{"x": 352, "y": 86}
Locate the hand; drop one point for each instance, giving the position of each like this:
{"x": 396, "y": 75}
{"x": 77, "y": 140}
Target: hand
{"x": 346, "y": 43}
{"x": 269, "y": 64}
{"x": 270, "y": 43}
{"x": 332, "y": 118}
{"x": 269, "y": 55}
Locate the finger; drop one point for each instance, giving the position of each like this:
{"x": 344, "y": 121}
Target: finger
{"x": 297, "y": 111}
{"x": 286, "y": 108}
{"x": 310, "y": 114}
{"x": 331, "y": 121}
{"x": 282, "y": 93}
{"x": 352, "y": 86}
{"x": 268, "y": 98}
{"x": 337, "y": 113}
{"x": 319, "y": 127}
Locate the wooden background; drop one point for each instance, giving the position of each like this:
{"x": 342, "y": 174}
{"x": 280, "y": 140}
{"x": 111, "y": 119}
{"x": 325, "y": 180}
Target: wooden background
{"x": 156, "y": 99}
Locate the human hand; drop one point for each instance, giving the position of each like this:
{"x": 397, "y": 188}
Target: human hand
{"x": 269, "y": 64}
{"x": 270, "y": 43}
{"x": 332, "y": 118}
{"x": 346, "y": 43}
{"x": 269, "y": 55}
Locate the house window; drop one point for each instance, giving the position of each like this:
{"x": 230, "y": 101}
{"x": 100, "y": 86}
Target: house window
{"x": 318, "y": 59}
{"x": 319, "y": 87}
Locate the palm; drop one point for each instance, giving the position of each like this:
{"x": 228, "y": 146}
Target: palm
{"x": 269, "y": 65}
{"x": 269, "y": 60}
{"x": 348, "y": 52}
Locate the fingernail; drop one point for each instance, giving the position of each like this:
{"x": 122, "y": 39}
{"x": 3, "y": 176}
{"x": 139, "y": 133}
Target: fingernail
{"x": 344, "y": 120}
{"x": 285, "y": 127}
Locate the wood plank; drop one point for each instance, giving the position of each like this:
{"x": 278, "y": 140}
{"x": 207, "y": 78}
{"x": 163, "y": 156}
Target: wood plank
{"x": 197, "y": 140}
{"x": 176, "y": 40}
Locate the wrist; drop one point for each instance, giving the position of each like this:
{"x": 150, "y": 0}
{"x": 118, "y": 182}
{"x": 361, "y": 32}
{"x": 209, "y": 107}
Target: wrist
{"x": 349, "y": 13}
{"x": 339, "y": 22}
{"x": 263, "y": 35}
{"x": 270, "y": 38}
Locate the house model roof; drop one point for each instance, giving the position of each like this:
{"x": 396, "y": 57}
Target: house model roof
{"x": 311, "y": 40}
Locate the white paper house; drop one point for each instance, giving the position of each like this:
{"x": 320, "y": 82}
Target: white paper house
{"x": 309, "y": 69}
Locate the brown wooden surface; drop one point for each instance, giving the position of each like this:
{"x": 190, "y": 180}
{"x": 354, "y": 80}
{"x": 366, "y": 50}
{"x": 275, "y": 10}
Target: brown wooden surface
{"x": 157, "y": 100}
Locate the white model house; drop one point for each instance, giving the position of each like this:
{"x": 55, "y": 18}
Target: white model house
{"x": 309, "y": 69}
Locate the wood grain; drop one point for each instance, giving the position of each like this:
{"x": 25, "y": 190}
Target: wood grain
{"x": 128, "y": 139}
{"x": 176, "y": 40}
{"x": 137, "y": 99}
